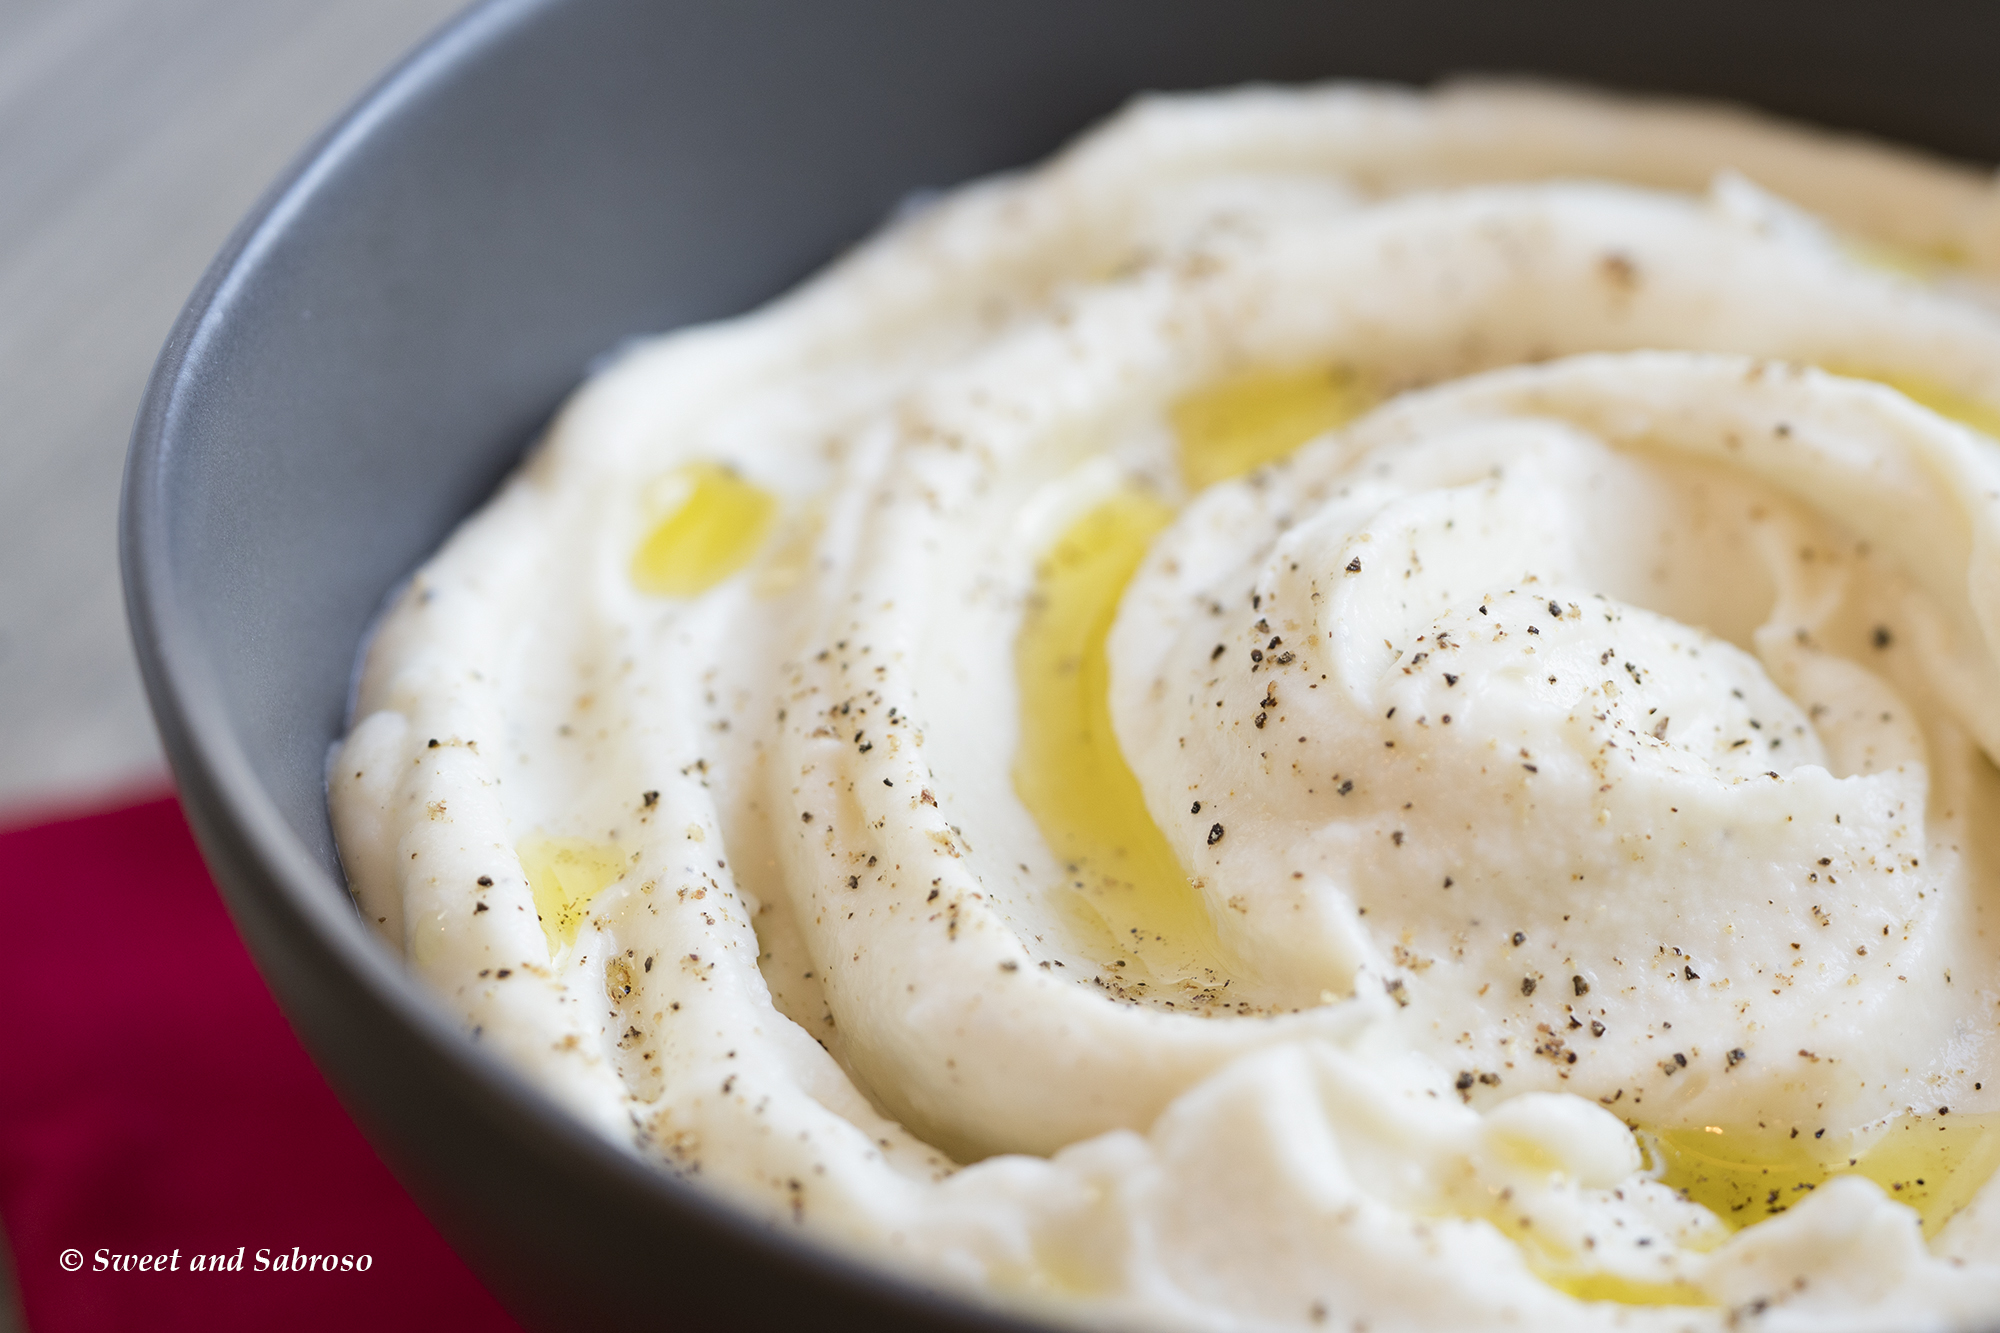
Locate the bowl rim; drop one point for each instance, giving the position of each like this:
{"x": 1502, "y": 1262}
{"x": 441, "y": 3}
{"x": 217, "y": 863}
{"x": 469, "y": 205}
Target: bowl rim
{"x": 255, "y": 857}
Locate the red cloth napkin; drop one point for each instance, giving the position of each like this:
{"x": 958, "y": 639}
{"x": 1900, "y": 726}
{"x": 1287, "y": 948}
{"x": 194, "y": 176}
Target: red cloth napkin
{"x": 153, "y": 1099}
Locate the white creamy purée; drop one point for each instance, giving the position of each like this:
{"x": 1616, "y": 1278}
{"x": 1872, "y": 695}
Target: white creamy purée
{"x": 1341, "y": 708}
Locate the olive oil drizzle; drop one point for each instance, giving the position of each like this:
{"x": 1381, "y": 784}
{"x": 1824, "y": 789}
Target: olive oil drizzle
{"x": 1933, "y": 1163}
{"x": 713, "y": 522}
{"x": 1123, "y": 886}
{"x": 565, "y": 875}
{"x": 1124, "y": 889}
{"x": 1948, "y": 403}
{"x": 1240, "y": 424}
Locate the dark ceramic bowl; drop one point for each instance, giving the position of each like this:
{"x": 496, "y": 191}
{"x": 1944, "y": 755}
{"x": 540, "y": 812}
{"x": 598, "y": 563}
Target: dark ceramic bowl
{"x": 395, "y": 322}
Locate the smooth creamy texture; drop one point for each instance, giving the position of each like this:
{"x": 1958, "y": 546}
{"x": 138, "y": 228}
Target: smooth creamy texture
{"x": 879, "y": 758}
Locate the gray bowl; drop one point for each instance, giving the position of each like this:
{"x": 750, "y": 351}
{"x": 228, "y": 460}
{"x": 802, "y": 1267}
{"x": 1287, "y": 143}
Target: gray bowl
{"x": 397, "y": 319}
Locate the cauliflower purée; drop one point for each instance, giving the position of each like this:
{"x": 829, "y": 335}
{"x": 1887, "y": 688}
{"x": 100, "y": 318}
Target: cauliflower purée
{"x": 1342, "y": 708}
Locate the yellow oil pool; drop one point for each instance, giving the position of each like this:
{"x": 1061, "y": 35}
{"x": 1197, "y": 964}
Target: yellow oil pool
{"x": 1229, "y": 428}
{"x": 1124, "y": 884}
{"x": 713, "y": 523}
{"x": 1125, "y": 888}
{"x": 1962, "y": 408}
{"x": 1925, "y": 392}
{"x": 1627, "y": 1290}
{"x": 1923, "y": 262}
{"x": 1935, "y": 1164}
{"x": 565, "y": 875}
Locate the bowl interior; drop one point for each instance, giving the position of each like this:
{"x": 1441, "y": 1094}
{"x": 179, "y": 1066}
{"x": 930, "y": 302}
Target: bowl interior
{"x": 393, "y": 325}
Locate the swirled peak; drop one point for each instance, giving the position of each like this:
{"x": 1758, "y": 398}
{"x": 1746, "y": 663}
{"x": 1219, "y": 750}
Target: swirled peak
{"x": 1550, "y": 703}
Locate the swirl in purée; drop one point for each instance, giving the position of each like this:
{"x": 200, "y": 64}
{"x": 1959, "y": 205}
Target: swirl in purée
{"x": 1549, "y": 821}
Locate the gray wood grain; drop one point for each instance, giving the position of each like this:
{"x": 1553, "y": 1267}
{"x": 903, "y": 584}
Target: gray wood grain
{"x": 133, "y": 135}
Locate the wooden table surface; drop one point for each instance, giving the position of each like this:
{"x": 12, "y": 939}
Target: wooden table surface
{"x": 133, "y": 136}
